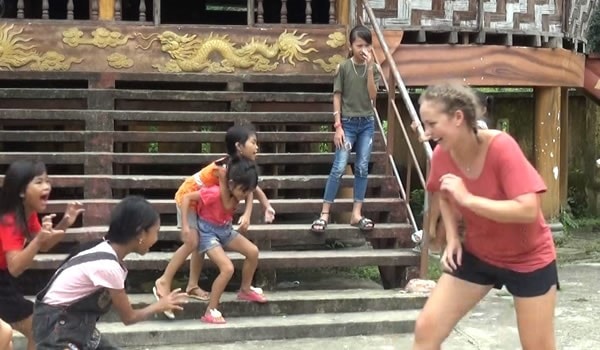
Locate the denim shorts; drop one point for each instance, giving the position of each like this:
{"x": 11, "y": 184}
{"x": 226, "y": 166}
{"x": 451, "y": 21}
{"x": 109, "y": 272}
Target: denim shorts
{"x": 212, "y": 235}
{"x": 192, "y": 218}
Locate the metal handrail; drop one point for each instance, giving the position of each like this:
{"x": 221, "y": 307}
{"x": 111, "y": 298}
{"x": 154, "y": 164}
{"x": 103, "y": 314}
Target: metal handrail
{"x": 419, "y": 129}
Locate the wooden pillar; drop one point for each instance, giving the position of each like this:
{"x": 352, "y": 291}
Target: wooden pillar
{"x": 106, "y": 10}
{"x": 564, "y": 147}
{"x": 343, "y": 12}
{"x": 547, "y": 146}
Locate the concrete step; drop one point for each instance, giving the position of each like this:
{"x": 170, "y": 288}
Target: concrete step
{"x": 293, "y": 302}
{"x": 392, "y": 341}
{"x": 267, "y": 259}
{"x": 156, "y": 333}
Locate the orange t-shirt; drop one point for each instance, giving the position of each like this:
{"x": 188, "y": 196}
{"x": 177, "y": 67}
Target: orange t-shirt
{"x": 506, "y": 175}
{"x": 205, "y": 177}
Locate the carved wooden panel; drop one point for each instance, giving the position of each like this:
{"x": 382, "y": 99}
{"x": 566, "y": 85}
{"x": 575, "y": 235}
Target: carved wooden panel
{"x": 579, "y": 18}
{"x": 532, "y": 16}
{"x": 169, "y": 49}
{"x": 524, "y": 15}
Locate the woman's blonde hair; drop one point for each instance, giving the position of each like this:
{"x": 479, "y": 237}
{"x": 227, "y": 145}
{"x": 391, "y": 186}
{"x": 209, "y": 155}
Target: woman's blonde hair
{"x": 453, "y": 97}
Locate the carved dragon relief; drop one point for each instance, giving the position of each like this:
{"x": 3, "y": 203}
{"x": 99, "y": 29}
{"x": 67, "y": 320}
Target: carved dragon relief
{"x": 213, "y": 53}
{"x": 14, "y": 53}
{"x": 217, "y": 53}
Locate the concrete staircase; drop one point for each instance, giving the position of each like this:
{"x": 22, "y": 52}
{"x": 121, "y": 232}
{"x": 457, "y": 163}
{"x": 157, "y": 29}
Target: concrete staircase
{"x": 143, "y": 137}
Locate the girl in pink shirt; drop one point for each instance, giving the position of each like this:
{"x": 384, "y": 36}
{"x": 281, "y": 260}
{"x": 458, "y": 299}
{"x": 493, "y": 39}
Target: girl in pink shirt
{"x": 216, "y": 233}
{"x": 92, "y": 279}
{"x": 484, "y": 175}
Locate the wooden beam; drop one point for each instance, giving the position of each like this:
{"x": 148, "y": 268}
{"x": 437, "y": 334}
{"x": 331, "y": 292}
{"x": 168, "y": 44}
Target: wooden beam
{"x": 343, "y": 12}
{"x": 250, "y": 10}
{"x": 547, "y": 146}
{"x": 564, "y": 147}
{"x": 489, "y": 65}
{"x": 106, "y": 10}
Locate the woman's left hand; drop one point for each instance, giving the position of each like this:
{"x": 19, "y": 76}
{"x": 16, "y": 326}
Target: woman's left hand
{"x": 456, "y": 187}
{"x": 74, "y": 209}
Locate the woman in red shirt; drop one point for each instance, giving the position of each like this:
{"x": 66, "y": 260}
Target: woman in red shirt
{"x": 24, "y": 194}
{"x": 485, "y": 176}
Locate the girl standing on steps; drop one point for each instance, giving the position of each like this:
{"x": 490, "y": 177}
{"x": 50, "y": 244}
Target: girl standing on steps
{"x": 214, "y": 224}
{"x": 24, "y": 194}
{"x": 93, "y": 277}
{"x": 354, "y": 92}
{"x": 240, "y": 142}
{"x": 485, "y": 176}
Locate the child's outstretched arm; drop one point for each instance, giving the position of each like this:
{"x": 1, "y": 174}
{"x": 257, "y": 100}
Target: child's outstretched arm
{"x": 129, "y": 315}
{"x": 262, "y": 198}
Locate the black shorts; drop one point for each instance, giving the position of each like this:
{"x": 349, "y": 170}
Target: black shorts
{"x": 13, "y": 305}
{"x": 519, "y": 284}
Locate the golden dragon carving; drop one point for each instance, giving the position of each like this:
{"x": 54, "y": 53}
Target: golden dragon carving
{"x": 217, "y": 53}
{"x": 15, "y": 53}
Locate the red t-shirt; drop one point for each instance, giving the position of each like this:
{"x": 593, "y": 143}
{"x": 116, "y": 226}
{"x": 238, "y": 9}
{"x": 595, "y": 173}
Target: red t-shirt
{"x": 506, "y": 175}
{"x": 212, "y": 209}
{"x": 11, "y": 238}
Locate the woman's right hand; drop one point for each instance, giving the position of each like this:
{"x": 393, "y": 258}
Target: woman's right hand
{"x": 172, "y": 301}
{"x": 339, "y": 139}
{"x": 452, "y": 257}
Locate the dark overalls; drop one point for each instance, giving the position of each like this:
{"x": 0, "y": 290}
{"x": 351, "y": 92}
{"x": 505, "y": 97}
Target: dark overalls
{"x": 72, "y": 327}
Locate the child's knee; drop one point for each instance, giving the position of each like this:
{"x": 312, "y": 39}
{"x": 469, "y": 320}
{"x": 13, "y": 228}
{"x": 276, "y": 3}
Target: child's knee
{"x": 252, "y": 252}
{"x": 227, "y": 269}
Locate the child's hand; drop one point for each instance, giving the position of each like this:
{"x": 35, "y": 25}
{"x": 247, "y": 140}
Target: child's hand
{"x": 48, "y": 232}
{"x": 244, "y": 222}
{"x": 269, "y": 215}
{"x": 74, "y": 209}
{"x": 172, "y": 301}
{"x": 339, "y": 139}
{"x": 221, "y": 173}
{"x": 367, "y": 54}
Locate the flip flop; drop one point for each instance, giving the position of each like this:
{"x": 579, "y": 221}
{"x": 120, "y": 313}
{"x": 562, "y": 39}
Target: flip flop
{"x": 170, "y": 315}
{"x": 214, "y": 316}
{"x": 364, "y": 224}
{"x": 203, "y": 295}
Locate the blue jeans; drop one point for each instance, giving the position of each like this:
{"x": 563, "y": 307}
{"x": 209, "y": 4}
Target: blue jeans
{"x": 359, "y": 133}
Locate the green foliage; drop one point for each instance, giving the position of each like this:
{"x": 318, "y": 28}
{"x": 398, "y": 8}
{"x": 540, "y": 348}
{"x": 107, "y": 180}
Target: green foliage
{"x": 153, "y": 146}
{"x": 593, "y": 35}
{"x": 417, "y": 200}
{"x": 576, "y": 197}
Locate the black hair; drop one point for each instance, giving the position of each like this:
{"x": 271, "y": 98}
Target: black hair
{"x": 131, "y": 216}
{"x": 237, "y": 134}
{"x": 486, "y": 102}
{"x": 243, "y": 172}
{"x": 16, "y": 179}
{"x": 359, "y": 32}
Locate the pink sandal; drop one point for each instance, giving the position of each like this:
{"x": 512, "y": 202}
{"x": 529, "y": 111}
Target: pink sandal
{"x": 213, "y": 316}
{"x": 255, "y": 295}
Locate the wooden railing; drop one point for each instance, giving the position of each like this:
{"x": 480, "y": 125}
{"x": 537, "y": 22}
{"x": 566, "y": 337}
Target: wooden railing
{"x": 394, "y": 82}
{"x": 149, "y": 11}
